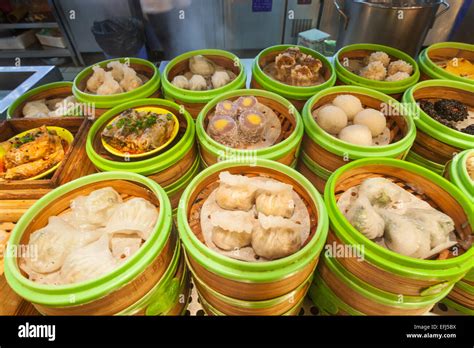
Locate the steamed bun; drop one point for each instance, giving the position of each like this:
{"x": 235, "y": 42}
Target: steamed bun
{"x": 356, "y": 134}
{"x": 331, "y": 118}
{"x": 373, "y": 119}
{"x": 350, "y": 104}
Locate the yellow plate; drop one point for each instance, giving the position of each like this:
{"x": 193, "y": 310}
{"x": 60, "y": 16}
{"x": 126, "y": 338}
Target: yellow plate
{"x": 156, "y": 110}
{"x": 61, "y": 132}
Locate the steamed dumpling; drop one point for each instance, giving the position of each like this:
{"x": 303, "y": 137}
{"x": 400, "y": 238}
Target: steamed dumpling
{"x": 357, "y": 134}
{"x": 365, "y": 219}
{"x": 54, "y": 242}
{"x": 232, "y": 229}
{"x": 130, "y": 79}
{"x": 36, "y": 108}
{"x": 97, "y": 79}
{"x": 276, "y": 237}
{"x": 331, "y": 118}
{"x": 373, "y": 119}
{"x": 136, "y": 215}
{"x": 180, "y": 81}
{"x": 381, "y": 57}
{"x": 350, "y": 104}
{"x": 124, "y": 245}
{"x": 438, "y": 224}
{"x": 200, "y": 65}
{"x": 88, "y": 262}
{"x": 109, "y": 86}
{"x": 197, "y": 83}
{"x": 275, "y": 198}
{"x": 117, "y": 69}
{"x": 219, "y": 79}
{"x": 235, "y": 192}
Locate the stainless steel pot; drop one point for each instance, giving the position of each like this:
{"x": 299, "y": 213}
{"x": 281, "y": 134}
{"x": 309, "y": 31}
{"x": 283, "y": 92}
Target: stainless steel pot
{"x": 402, "y": 24}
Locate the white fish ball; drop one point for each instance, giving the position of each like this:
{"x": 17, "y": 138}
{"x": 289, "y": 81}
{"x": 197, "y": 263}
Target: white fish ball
{"x": 373, "y": 119}
{"x": 331, "y": 118}
{"x": 349, "y": 103}
{"x": 356, "y": 134}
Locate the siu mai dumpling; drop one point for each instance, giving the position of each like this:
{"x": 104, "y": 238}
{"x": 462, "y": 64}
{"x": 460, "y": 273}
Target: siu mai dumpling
{"x": 365, "y": 219}
{"x": 275, "y": 198}
{"x": 136, "y": 215}
{"x": 276, "y": 237}
{"x": 232, "y": 229}
{"x": 235, "y": 192}
{"x": 88, "y": 262}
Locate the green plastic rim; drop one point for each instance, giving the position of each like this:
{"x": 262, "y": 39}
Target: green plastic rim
{"x": 433, "y": 70}
{"x": 413, "y": 157}
{"x": 314, "y": 167}
{"x": 184, "y": 180}
{"x": 273, "y": 152}
{"x": 150, "y": 165}
{"x": 342, "y": 148}
{"x": 108, "y": 101}
{"x": 198, "y": 97}
{"x": 457, "y": 307}
{"x": 388, "y": 87}
{"x": 432, "y": 127}
{"x": 445, "y": 270}
{"x": 251, "y": 272}
{"x": 12, "y": 108}
{"x": 458, "y": 174}
{"x": 84, "y": 292}
{"x": 288, "y": 91}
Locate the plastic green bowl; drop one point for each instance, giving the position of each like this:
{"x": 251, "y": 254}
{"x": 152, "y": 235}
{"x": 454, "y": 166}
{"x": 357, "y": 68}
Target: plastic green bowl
{"x": 108, "y": 101}
{"x": 446, "y": 271}
{"x": 388, "y": 87}
{"x": 172, "y": 92}
{"x": 258, "y": 272}
{"x": 433, "y": 70}
{"x": 432, "y": 127}
{"x": 273, "y": 152}
{"x": 83, "y": 292}
{"x": 458, "y": 174}
{"x": 283, "y": 89}
{"x": 342, "y": 148}
{"x": 150, "y": 165}
{"x": 413, "y": 157}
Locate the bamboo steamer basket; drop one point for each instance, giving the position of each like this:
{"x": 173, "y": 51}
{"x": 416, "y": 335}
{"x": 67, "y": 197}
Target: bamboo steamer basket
{"x": 286, "y": 148}
{"x": 47, "y": 91}
{"x": 461, "y": 298}
{"x": 241, "y": 280}
{"x": 443, "y": 51}
{"x": 142, "y": 284}
{"x": 194, "y": 101}
{"x": 295, "y": 94}
{"x": 386, "y": 270}
{"x": 323, "y": 153}
{"x": 172, "y": 168}
{"x": 457, "y": 173}
{"x": 393, "y": 88}
{"x": 436, "y": 143}
{"x": 102, "y": 103}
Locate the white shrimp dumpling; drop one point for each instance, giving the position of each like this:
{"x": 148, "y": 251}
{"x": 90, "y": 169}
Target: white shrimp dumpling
{"x": 197, "y": 83}
{"x": 136, "y": 215}
{"x": 180, "y": 81}
{"x": 117, "y": 69}
{"x": 350, "y": 104}
{"x": 124, "y": 245}
{"x": 219, "y": 79}
{"x": 275, "y": 198}
{"x": 130, "y": 79}
{"x": 96, "y": 80}
{"x": 276, "y": 237}
{"x": 365, "y": 219}
{"x": 88, "y": 262}
{"x": 109, "y": 86}
{"x": 35, "y": 108}
{"x": 200, "y": 65}
{"x": 235, "y": 192}
{"x": 356, "y": 134}
{"x": 232, "y": 229}
{"x": 331, "y": 118}
{"x": 373, "y": 119}
{"x": 52, "y": 243}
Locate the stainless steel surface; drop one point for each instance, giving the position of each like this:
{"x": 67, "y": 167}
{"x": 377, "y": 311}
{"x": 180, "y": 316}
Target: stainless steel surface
{"x": 15, "y": 81}
{"x": 305, "y": 17}
{"x": 401, "y": 24}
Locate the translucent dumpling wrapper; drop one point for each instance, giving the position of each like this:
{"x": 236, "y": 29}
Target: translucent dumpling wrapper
{"x": 201, "y": 65}
{"x": 94, "y": 208}
{"x": 365, "y": 219}
{"x": 232, "y": 229}
{"x": 276, "y": 237}
{"x": 123, "y": 245}
{"x": 97, "y": 79}
{"x": 130, "y": 79}
{"x": 235, "y": 192}
{"x": 49, "y": 246}
{"x": 109, "y": 86}
{"x": 275, "y": 198}
{"x": 220, "y": 79}
{"x": 117, "y": 69}
{"x": 136, "y": 215}
{"x": 88, "y": 262}
{"x": 36, "y": 108}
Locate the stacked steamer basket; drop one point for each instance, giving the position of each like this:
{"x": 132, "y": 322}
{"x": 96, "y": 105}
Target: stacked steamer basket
{"x": 284, "y": 147}
{"x": 297, "y": 95}
{"x": 230, "y": 286}
{"x": 149, "y": 282}
{"x": 323, "y": 153}
{"x": 435, "y": 143}
{"x": 434, "y": 60}
{"x": 194, "y": 100}
{"x": 379, "y": 281}
{"x": 173, "y": 167}
{"x": 145, "y": 70}
{"x": 361, "y": 52}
